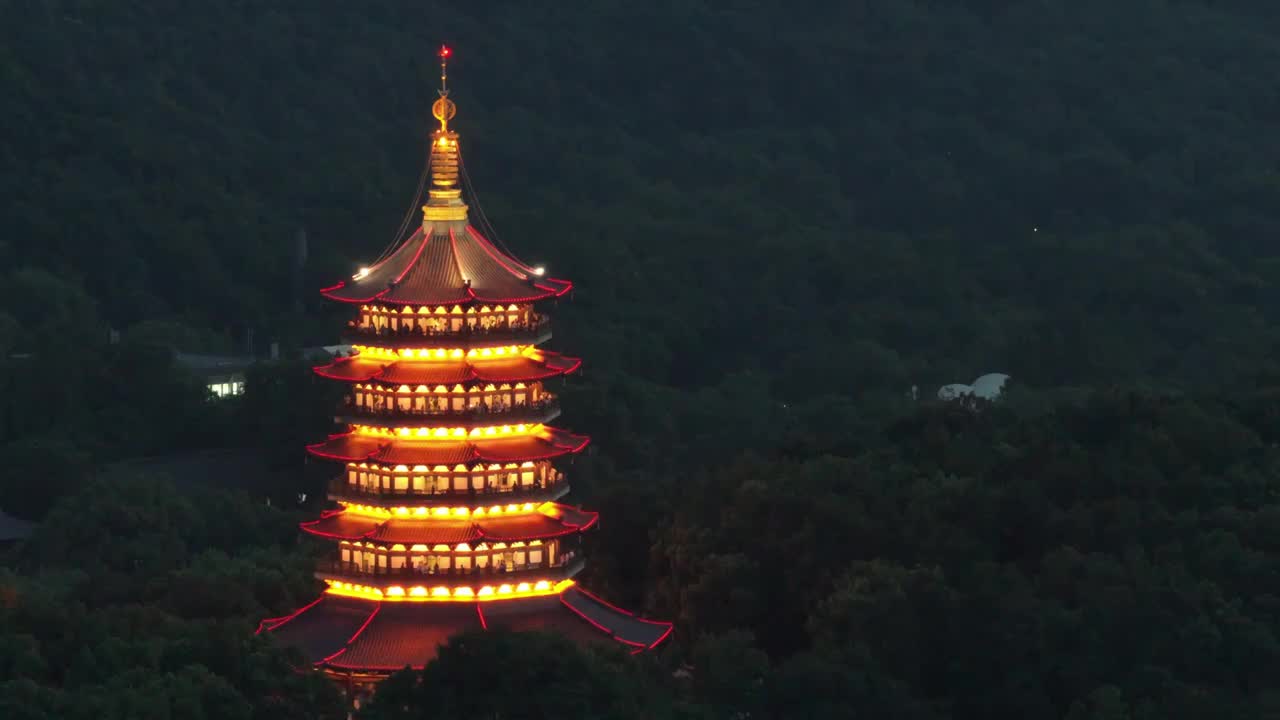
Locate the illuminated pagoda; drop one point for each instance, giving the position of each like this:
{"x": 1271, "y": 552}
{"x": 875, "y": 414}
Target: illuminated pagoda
{"x": 448, "y": 515}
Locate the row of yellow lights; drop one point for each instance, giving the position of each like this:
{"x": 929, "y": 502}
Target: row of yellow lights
{"x": 439, "y": 593}
{"x": 460, "y": 468}
{"x": 382, "y": 353}
{"x": 438, "y": 512}
{"x": 443, "y": 433}
{"x": 441, "y": 547}
{"x": 440, "y": 310}
{"x": 460, "y": 389}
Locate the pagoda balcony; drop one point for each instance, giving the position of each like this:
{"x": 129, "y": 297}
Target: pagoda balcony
{"x": 543, "y": 410}
{"x": 537, "y": 492}
{"x": 564, "y": 567}
{"x": 534, "y": 332}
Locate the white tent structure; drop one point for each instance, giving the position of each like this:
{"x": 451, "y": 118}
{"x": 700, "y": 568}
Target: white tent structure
{"x": 987, "y": 387}
{"x": 990, "y": 386}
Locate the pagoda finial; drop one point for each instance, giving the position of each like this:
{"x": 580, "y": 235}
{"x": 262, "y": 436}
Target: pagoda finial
{"x": 444, "y": 109}
{"x": 445, "y": 198}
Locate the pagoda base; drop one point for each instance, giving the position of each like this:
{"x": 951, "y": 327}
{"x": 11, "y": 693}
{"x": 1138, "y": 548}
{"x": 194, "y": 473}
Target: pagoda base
{"x": 353, "y": 638}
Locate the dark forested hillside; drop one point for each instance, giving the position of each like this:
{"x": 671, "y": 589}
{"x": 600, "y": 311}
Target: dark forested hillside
{"x": 933, "y": 191}
{"x": 779, "y": 219}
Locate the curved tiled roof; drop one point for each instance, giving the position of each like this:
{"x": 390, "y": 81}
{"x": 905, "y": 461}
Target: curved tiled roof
{"x": 623, "y": 625}
{"x": 550, "y": 521}
{"x": 350, "y": 447}
{"x": 321, "y": 628}
{"x": 531, "y": 366}
{"x": 373, "y": 636}
{"x": 444, "y": 267}
{"x": 401, "y": 634}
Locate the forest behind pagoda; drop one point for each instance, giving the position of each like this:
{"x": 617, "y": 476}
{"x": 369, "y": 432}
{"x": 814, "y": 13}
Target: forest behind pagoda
{"x": 779, "y": 220}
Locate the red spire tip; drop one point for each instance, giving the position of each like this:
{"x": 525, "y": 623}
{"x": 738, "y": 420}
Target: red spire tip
{"x": 445, "y": 51}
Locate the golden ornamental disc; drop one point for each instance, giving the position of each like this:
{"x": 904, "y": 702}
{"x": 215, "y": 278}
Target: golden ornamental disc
{"x": 443, "y": 109}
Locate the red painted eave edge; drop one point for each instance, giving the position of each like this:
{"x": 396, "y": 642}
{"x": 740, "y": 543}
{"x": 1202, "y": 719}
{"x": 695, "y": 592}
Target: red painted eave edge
{"x": 305, "y": 527}
{"x": 328, "y": 294}
{"x": 564, "y": 287}
{"x": 610, "y": 605}
{"x": 580, "y": 614}
{"x": 320, "y": 370}
{"x": 314, "y": 449}
{"x": 367, "y": 620}
{"x": 270, "y": 624}
{"x": 329, "y": 661}
{"x": 469, "y": 298}
{"x": 567, "y": 530}
{"x": 576, "y": 446}
{"x": 573, "y": 441}
{"x": 478, "y": 531}
{"x": 670, "y": 627}
{"x": 466, "y": 299}
{"x": 509, "y": 299}
{"x": 595, "y": 517}
{"x": 326, "y": 661}
{"x": 475, "y": 372}
{"x": 372, "y": 668}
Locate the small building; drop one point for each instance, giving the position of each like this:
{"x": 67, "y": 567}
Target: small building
{"x": 222, "y": 374}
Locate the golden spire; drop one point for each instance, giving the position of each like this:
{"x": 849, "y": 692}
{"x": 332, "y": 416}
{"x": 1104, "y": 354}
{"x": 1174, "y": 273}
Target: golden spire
{"x": 444, "y": 109}
{"x": 445, "y": 197}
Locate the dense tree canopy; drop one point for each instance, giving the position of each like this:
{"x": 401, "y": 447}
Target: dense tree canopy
{"x": 780, "y": 220}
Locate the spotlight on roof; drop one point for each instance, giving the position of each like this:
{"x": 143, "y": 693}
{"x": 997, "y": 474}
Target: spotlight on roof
{"x": 361, "y": 273}
{"x": 539, "y": 271}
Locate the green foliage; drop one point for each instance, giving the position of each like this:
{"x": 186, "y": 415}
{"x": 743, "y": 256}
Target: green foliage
{"x": 133, "y": 610}
{"x": 1111, "y": 558}
{"x": 847, "y": 216}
